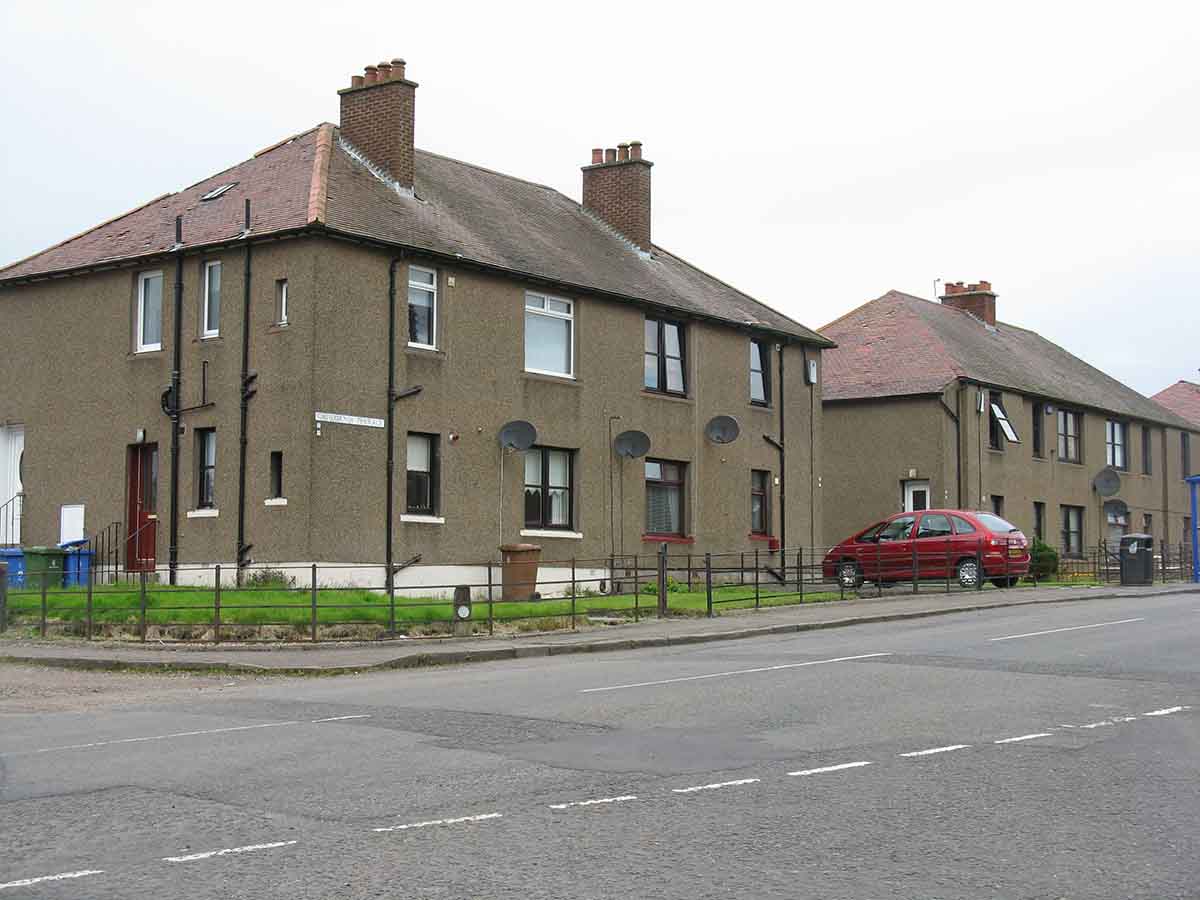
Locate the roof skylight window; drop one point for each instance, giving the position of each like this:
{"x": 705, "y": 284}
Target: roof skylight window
{"x": 218, "y": 191}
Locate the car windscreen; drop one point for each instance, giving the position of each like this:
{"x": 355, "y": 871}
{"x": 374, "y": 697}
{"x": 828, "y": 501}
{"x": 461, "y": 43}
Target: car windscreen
{"x": 897, "y": 529}
{"x": 871, "y": 534}
{"x": 995, "y": 523}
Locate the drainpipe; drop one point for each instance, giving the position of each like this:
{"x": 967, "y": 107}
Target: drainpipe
{"x": 782, "y": 463}
{"x": 957, "y": 449}
{"x": 248, "y": 391}
{"x": 176, "y": 382}
{"x": 391, "y": 418}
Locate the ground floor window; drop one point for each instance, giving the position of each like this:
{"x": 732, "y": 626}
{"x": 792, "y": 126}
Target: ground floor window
{"x": 1072, "y": 530}
{"x": 664, "y": 497}
{"x": 206, "y": 468}
{"x": 1039, "y": 520}
{"x": 548, "y": 498}
{"x": 760, "y": 515}
{"x": 276, "y": 474}
{"x": 422, "y": 475}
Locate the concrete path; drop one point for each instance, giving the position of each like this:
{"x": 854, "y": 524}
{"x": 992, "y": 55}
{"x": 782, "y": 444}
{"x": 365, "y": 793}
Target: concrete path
{"x": 331, "y": 659}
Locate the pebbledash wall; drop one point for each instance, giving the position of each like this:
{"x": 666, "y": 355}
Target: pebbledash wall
{"x": 73, "y": 379}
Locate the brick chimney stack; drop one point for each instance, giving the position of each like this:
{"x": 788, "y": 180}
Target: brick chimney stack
{"x": 977, "y": 299}
{"x": 378, "y": 112}
{"x": 616, "y": 187}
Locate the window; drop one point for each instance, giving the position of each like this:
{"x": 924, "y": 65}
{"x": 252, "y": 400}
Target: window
{"x": 760, "y": 373}
{"x": 281, "y": 302}
{"x": 1039, "y": 520}
{"x": 549, "y": 335}
{"x": 1147, "y": 523}
{"x": 998, "y": 505}
{"x": 1147, "y": 450}
{"x": 664, "y": 357}
{"x": 548, "y": 498}
{"x": 760, "y": 509}
{"x": 934, "y": 525}
{"x": 1114, "y": 443}
{"x": 149, "y": 312}
{"x": 422, "y": 307}
{"x": 962, "y": 526}
{"x": 217, "y": 192}
{"x": 422, "y": 483}
{"x": 276, "y": 473}
{"x": 1039, "y": 442}
{"x": 1068, "y": 436}
{"x": 1185, "y": 454}
{"x": 664, "y": 497}
{"x": 1072, "y": 530}
{"x": 211, "y": 324}
{"x": 999, "y": 428}
{"x": 898, "y": 529}
{"x": 206, "y": 468}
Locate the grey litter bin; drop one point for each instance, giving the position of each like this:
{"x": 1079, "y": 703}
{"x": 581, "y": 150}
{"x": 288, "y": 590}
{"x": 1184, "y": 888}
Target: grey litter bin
{"x": 1137, "y": 559}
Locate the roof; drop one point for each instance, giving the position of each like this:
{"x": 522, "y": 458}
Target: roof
{"x": 459, "y": 210}
{"x": 899, "y": 344}
{"x": 1183, "y": 399}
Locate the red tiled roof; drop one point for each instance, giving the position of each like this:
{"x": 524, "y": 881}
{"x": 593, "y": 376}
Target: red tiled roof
{"x": 1183, "y": 399}
{"x": 901, "y": 345}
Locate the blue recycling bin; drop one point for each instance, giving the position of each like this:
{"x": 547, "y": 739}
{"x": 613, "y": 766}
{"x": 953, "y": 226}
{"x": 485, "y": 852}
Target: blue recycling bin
{"x": 15, "y": 557}
{"x": 77, "y": 564}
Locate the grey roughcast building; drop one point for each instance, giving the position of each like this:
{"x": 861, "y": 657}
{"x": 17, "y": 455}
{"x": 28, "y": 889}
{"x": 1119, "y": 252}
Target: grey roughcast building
{"x": 943, "y": 405}
{"x": 344, "y": 311}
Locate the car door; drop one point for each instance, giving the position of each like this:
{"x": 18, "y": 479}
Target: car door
{"x": 933, "y": 544}
{"x": 894, "y": 548}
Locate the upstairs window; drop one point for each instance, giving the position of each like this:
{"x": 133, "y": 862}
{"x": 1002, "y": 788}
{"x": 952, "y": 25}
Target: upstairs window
{"x": 422, "y": 481}
{"x": 548, "y": 501}
{"x": 1068, "y": 436}
{"x": 206, "y": 468}
{"x": 760, "y": 509}
{"x": 1114, "y": 444}
{"x": 664, "y": 357}
{"x": 149, "y": 312}
{"x": 760, "y": 373}
{"x": 210, "y": 325}
{"x": 999, "y": 428}
{"x": 422, "y": 307}
{"x": 276, "y": 474}
{"x": 664, "y": 497}
{"x": 1038, "y": 430}
{"x": 549, "y": 335}
{"x": 281, "y": 302}
{"x": 1147, "y": 450}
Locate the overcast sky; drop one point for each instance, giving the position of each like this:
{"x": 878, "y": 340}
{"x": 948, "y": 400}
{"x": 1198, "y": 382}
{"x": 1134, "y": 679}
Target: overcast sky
{"x": 814, "y": 155}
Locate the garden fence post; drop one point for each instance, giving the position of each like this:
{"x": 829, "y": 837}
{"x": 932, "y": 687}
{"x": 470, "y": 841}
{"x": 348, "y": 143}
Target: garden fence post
{"x": 878, "y": 568}
{"x": 91, "y": 582}
{"x": 708, "y": 583}
{"x": 491, "y": 614}
{"x": 947, "y": 566}
{"x": 979, "y": 566}
{"x": 756, "y": 589}
{"x": 312, "y": 602}
{"x": 662, "y": 580}
{"x": 915, "y": 566}
{"x": 3, "y": 597}
{"x": 217, "y": 605}
{"x": 391, "y": 590}
{"x": 45, "y": 578}
{"x": 637, "y": 589}
{"x": 800, "y": 571}
{"x": 142, "y": 607}
{"x": 742, "y": 568}
{"x": 572, "y": 593}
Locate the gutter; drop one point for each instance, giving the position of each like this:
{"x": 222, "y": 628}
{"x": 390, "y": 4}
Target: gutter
{"x": 957, "y": 446}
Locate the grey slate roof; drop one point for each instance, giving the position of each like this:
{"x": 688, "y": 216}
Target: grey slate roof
{"x": 900, "y": 344}
{"x": 310, "y": 181}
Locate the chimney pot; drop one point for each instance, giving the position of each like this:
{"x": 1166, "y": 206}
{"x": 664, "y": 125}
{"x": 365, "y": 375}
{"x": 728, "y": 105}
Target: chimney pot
{"x": 385, "y": 71}
{"x": 610, "y": 155}
{"x": 356, "y": 81}
{"x": 623, "y": 152}
{"x": 597, "y": 156}
{"x": 371, "y": 74}
{"x": 398, "y": 68}
{"x": 635, "y": 150}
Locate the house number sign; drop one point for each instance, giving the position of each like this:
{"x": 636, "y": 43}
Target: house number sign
{"x": 339, "y": 419}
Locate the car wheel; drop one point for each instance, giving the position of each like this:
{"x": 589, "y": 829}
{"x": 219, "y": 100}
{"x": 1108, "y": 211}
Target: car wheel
{"x": 850, "y": 575}
{"x": 968, "y": 573}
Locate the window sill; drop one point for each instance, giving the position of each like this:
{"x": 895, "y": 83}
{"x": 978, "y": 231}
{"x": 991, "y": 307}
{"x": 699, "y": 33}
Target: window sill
{"x": 663, "y": 395}
{"x": 667, "y": 539}
{"x": 203, "y": 513}
{"x": 424, "y": 349}
{"x": 422, "y": 520}
{"x": 552, "y": 533}
{"x": 760, "y": 537}
{"x": 1071, "y": 462}
{"x": 761, "y": 407}
{"x": 277, "y": 327}
{"x": 209, "y": 338}
{"x": 556, "y": 377}
{"x": 275, "y": 501}
{"x": 148, "y": 353}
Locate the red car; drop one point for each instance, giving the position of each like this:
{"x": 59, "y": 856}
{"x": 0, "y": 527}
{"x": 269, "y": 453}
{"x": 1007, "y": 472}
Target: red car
{"x": 940, "y": 543}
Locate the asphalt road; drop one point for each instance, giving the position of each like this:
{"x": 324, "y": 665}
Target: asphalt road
{"x": 1049, "y": 752}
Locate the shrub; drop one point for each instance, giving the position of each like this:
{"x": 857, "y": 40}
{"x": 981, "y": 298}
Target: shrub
{"x": 1043, "y": 560}
{"x": 268, "y": 578}
{"x": 673, "y": 587}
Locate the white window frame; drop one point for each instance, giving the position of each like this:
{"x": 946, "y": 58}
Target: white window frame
{"x": 568, "y": 316}
{"x": 1006, "y": 427}
{"x": 142, "y": 346}
{"x": 282, "y": 284}
{"x": 205, "y": 331}
{"x": 433, "y": 317}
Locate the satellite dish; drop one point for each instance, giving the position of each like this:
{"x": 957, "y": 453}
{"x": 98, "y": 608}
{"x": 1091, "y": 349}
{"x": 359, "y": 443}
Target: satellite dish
{"x": 632, "y": 444}
{"x": 722, "y": 429}
{"x": 518, "y": 435}
{"x": 1107, "y": 483}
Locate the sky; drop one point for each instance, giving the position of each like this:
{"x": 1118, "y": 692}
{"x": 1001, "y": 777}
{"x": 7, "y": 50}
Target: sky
{"x": 813, "y": 155}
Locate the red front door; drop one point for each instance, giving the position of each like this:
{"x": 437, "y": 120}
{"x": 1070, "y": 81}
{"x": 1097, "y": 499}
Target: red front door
{"x": 141, "y": 534}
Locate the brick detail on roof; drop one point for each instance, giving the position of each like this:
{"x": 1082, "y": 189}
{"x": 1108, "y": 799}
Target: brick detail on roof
{"x": 318, "y": 191}
{"x": 1183, "y": 399}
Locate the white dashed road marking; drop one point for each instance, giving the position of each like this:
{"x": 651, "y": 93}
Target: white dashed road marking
{"x": 209, "y": 854}
{"x": 153, "y": 737}
{"x": 1166, "y": 712}
{"x": 815, "y": 662}
{"x": 26, "y": 882}
{"x": 1013, "y": 637}
{"x": 595, "y": 802}
{"x": 433, "y": 822}
{"x": 338, "y": 719}
{"x": 1023, "y": 737}
{"x": 837, "y": 768}
{"x": 716, "y": 786}
{"x": 933, "y": 750}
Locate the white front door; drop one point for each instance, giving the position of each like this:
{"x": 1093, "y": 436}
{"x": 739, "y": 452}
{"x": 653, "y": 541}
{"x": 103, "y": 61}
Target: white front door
{"x": 12, "y": 447}
{"x": 916, "y": 496}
